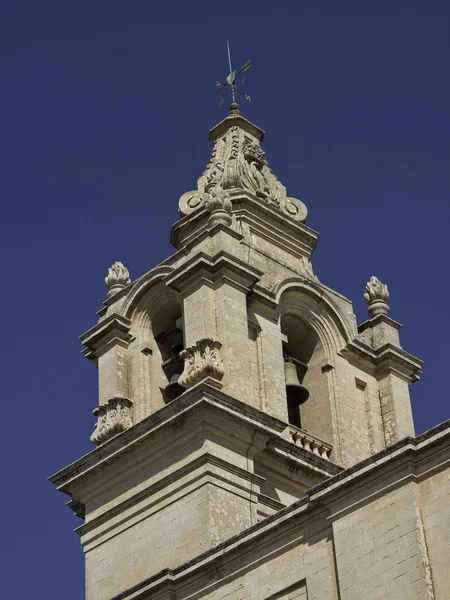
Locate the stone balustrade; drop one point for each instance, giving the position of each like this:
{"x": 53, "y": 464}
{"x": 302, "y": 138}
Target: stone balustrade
{"x": 309, "y": 442}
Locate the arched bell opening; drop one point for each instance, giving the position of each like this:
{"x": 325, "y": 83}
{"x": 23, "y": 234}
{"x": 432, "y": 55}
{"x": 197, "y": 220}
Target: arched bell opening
{"x": 167, "y": 327}
{"x": 300, "y": 345}
{"x": 156, "y": 324}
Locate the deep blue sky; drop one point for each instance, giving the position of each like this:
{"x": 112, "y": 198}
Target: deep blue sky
{"x": 105, "y": 109}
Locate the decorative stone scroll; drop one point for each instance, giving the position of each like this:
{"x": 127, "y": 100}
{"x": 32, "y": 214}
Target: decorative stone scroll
{"x": 118, "y": 277}
{"x": 239, "y": 163}
{"x": 113, "y": 418}
{"x": 201, "y": 361}
{"x": 376, "y": 296}
{"x": 307, "y": 268}
{"x": 218, "y": 204}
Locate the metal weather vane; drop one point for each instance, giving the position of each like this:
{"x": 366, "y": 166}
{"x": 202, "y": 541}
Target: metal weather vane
{"x": 230, "y": 82}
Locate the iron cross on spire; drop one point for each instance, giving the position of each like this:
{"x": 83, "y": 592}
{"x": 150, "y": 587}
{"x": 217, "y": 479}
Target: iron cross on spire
{"x": 229, "y": 84}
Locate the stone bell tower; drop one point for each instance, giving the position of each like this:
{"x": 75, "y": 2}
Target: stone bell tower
{"x": 232, "y": 384}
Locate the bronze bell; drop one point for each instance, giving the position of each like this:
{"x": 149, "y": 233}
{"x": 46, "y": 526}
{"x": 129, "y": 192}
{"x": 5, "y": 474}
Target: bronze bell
{"x": 173, "y": 389}
{"x": 296, "y": 393}
{"x": 173, "y": 366}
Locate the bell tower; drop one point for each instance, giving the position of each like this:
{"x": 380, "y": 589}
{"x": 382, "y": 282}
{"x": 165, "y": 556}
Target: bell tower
{"x": 231, "y": 380}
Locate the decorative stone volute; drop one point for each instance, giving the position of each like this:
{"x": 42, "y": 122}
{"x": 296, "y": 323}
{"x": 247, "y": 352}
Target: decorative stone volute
{"x": 201, "y": 361}
{"x": 376, "y": 296}
{"x": 238, "y": 163}
{"x": 113, "y": 418}
{"x": 118, "y": 277}
{"x": 218, "y": 204}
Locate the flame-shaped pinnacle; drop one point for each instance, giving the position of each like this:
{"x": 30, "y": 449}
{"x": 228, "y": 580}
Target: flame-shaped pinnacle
{"x": 118, "y": 277}
{"x": 376, "y": 296}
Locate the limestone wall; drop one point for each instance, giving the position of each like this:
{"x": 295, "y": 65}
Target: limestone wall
{"x": 435, "y": 507}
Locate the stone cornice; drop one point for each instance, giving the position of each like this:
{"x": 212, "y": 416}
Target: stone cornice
{"x": 241, "y": 122}
{"x": 193, "y": 229}
{"x": 293, "y": 236}
{"x": 273, "y": 225}
{"x": 113, "y": 328}
{"x": 198, "y": 397}
{"x": 410, "y": 451}
{"x": 216, "y": 268}
{"x": 264, "y": 296}
{"x": 184, "y": 233}
{"x": 285, "y": 448}
{"x": 376, "y": 321}
{"x": 384, "y": 359}
{"x": 123, "y": 442}
{"x": 205, "y": 461}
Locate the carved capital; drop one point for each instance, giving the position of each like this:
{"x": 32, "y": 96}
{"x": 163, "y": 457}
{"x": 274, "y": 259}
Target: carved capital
{"x": 201, "y": 361}
{"x": 118, "y": 277}
{"x": 376, "y": 296}
{"x": 112, "y": 418}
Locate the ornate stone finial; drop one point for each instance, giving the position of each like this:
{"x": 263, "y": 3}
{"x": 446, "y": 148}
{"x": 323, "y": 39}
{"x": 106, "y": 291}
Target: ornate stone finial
{"x": 218, "y": 204}
{"x": 118, "y": 277}
{"x": 376, "y": 296}
{"x": 234, "y": 108}
{"x": 201, "y": 361}
{"x": 238, "y": 164}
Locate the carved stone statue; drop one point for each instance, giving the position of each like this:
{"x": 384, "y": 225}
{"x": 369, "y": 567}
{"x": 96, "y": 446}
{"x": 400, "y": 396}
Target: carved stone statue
{"x": 118, "y": 277}
{"x": 376, "y": 296}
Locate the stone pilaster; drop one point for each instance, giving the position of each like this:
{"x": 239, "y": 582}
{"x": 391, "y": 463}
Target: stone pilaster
{"x": 214, "y": 288}
{"x": 395, "y": 368}
{"x": 107, "y": 345}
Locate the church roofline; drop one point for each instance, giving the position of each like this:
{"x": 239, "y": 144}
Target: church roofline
{"x": 405, "y": 455}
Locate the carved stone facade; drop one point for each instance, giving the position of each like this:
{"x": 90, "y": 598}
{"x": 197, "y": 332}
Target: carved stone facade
{"x": 176, "y": 507}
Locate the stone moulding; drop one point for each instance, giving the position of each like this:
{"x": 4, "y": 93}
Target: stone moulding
{"x": 113, "y": 418}
{"x": 201, "y": 361}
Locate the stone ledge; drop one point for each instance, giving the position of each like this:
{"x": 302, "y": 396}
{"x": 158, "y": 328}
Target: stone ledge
{"x": 203, "y": 464}
{"x": 121, "y": 443}
{"x": 376, "y": 321}
{"x": 114, "y": 327}
{"x": 384, "y": 358}
{"x": 202, "y": 397}
{"x": 216, "y": 265}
